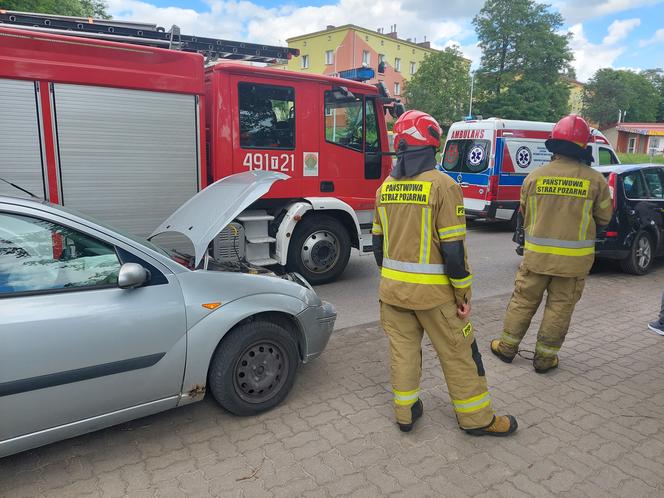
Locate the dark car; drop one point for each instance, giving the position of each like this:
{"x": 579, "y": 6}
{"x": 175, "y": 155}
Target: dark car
{"x": 635, "y": 234}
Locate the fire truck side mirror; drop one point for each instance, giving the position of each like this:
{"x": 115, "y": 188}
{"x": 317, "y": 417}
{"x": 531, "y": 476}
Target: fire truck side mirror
{"x": 397, "y": 109}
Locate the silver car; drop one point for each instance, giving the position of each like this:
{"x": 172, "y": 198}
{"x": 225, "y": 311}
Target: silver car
{"x": 98, "y": 327}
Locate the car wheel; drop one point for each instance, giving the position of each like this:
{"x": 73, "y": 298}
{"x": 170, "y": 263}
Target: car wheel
{"x": 319, "y": 249}
{"x": 640, "y": 257}
{"x": 253, "y": 368}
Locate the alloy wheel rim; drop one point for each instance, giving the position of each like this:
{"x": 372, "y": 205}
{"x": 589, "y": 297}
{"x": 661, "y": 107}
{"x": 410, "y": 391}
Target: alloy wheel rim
{"x": 643, "y": 252}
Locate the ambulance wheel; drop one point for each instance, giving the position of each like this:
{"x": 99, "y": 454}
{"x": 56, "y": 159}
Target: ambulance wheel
{"x": 640, "y": 256}
{"x": 319, "y": 249}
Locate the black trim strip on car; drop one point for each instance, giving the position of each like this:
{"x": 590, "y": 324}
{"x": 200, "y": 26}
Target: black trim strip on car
{"x": 78, "y": 374}
{"x": 364, "y": 226}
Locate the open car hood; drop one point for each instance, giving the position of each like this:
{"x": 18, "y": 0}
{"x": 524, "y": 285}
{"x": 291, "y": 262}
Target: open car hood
{"x": 202, "y": 217}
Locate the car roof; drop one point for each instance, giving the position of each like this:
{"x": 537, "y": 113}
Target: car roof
{"x": 624, "y": 168}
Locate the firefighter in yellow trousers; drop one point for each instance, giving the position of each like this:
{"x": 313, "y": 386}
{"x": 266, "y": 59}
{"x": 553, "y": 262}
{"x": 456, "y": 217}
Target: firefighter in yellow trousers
{"x": 563, "y": 203}
{"x": 418, "y": 239}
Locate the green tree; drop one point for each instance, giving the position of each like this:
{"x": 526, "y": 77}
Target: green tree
{"x": 656, "y": 77}
{"x": 78, "y": 8}
{"x": 523, "y": 61}
{"x": 441, "y": 86}
{"x": 612, "y": 91}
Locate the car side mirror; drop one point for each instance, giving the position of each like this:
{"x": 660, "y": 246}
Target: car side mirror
{"x": 132, "y": 275}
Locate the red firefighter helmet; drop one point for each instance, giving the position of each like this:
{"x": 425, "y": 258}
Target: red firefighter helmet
{"x": 417, "y": 128}
{"x": 573, "y": 129}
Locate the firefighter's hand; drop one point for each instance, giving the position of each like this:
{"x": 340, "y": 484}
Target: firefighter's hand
{"x": 463, "y": 310}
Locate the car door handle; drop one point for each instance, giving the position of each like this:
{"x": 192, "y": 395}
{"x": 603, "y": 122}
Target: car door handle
{"x": 464, "y": 184}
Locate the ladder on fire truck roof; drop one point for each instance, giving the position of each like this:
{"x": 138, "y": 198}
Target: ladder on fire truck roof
{"x": 146, "y": 34}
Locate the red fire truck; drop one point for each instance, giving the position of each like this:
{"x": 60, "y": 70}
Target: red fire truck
{"x": 97, "y": 116}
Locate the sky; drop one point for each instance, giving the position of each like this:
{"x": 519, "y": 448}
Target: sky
{"x": 622, "y": 34}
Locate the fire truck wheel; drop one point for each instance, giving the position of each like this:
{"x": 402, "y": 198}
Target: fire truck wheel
{"x": 253, "y": 368}
{"x": 319, "y": 249}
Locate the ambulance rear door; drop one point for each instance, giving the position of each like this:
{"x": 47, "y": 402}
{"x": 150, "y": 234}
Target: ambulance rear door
{"x": 467, "y": 159}
{"x": 518, "y": 152}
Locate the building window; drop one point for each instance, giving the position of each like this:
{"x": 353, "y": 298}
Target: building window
{"x": 413, "y": 51}
{"x": 413, "y": 68}
{"x": 329, "y": 57}
{"x": 305, "y": 62}
{"x": 366, "y": 38}
{"x": 397, "y": 64}
{"x": 381, "y": 63}
{"x": 397, "y": 88}
{"x": 366, "y": 57}
{"x": 631, "y": 146}
{"x": 382, "y": 42}
{"x": 654, "y": 145}
{"x": 267, "y": 116}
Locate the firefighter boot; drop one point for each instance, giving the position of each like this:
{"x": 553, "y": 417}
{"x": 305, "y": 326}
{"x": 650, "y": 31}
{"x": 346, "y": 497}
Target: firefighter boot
{"x": 501, "y": 351}
{"x": 416, "y": 412}
{"x": 500, "y": 426}
{"x": 543, "y": 364}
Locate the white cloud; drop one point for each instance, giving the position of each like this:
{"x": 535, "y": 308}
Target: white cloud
{"x": 618, "y": 30}
{"x": 589, "y": 57}
{"x": 657, "y": 38}
{"x": 245, "y": 20}
{"x": 575, "y": 11}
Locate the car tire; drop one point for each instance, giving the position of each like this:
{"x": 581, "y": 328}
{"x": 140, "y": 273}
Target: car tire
{"x": 253, "y": 368}
{"x": 319, "y": 249}
{"x": 640, "y": 256}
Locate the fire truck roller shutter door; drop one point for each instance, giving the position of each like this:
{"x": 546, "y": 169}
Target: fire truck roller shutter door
{"x": 127, "y": 157}
{"x": 20, "y": 148}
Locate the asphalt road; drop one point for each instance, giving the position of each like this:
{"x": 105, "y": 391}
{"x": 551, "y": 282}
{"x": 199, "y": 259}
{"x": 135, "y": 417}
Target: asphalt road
{"x": 492, "y": 259}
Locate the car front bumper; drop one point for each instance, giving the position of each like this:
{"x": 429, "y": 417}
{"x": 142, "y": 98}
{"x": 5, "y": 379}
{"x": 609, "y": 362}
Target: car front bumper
{"x": 317, "y": 323}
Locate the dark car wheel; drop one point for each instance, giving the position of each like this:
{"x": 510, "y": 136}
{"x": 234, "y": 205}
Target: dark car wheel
{"x": 640, "y": 256}
{"x": 319, "y": 249}
{"x": 254, "y": 368}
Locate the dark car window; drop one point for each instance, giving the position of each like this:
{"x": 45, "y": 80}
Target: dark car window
{"x": 634, "y": 186}
{"x": 466, "y": 156}
{"x": 606, "y": 156}
{"x": 654, "y": 181}
{"x": 267, "y": 116}
{"x": 37, "y": 255}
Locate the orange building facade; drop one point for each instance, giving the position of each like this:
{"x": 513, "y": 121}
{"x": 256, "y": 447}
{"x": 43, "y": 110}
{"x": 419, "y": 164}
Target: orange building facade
{"x": 337, "y": 49}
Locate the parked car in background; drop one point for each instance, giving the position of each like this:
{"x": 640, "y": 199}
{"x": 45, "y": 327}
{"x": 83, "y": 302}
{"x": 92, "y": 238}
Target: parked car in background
{"x": 98, "y": 327}
{"x": 635, "y": 235}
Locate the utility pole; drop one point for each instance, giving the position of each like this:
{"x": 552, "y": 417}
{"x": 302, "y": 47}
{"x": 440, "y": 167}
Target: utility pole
{"x": 472, "y": 84}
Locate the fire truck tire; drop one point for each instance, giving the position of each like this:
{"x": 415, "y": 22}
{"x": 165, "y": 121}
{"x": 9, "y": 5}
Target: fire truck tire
{"x": 319, "y": 249}
{"x": 253, "y": 368}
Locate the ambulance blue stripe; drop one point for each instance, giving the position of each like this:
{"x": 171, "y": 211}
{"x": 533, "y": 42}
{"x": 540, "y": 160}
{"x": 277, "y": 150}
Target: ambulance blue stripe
{"x": 511, "y": 180}
{"x": 499, "y": 157}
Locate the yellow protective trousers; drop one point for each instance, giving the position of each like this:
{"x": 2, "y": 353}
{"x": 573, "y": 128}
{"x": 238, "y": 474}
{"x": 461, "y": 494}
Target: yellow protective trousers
{"x": 562, "y": 295}
{"x": 454, "y": 341}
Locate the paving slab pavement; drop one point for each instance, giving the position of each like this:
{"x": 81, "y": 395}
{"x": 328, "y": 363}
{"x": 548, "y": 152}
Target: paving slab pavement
{"x": 594, "y": 427}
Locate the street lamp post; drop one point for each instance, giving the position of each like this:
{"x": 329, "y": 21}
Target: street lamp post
{"x": 472, "y": 85}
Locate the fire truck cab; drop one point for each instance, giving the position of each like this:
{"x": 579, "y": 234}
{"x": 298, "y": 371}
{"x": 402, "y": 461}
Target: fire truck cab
{"x": 490, "y": 158}
{"x": 126, "y": 131}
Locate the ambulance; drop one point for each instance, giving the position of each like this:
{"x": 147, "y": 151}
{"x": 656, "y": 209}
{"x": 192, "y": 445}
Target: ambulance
{"x": 490, "y": 158}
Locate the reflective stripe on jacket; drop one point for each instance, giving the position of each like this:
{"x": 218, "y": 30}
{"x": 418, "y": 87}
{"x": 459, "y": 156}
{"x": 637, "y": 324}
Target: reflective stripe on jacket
{"x": 563, "y": 202}
{"x": 413, "y": 215}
